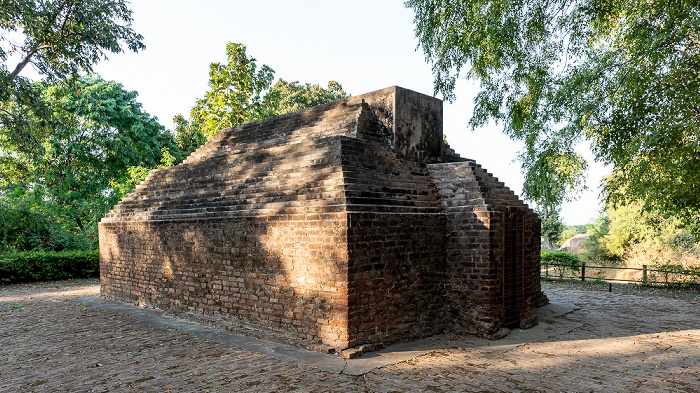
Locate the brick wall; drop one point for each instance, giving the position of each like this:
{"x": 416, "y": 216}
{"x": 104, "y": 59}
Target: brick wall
{"x": 396, "y": 245}
{"x": 328, "y": 224}
{"x": 476, "y": 205}
{"x": 287, "y": 273}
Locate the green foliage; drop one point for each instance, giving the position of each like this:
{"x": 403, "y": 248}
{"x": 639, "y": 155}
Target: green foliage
{"x": 285, "y": 97}
{"x": 631, "y": 224}
{"x": 595, "y": 251}
{"x": 137, "y": 174}
{"x": 675, "y": 274}
{"x": 48, "y": 265}
{"x": 552, "y": 228}
{"x": 571, "y": 231}
{"x": 188, "y": 136}
{"x": 27, "y": 225}
{"x": 241, "y": 93}
{"x": 99, "y": 131}
{"x": 621, "y": 74}
{"x": 562, "y": 262}
{"x": 553, "y": 174}
{"x": 236, "y": 92}
{"x": 60, "y": 39}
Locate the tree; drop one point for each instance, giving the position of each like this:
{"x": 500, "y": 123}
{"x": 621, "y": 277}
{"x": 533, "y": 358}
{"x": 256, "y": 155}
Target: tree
{"x": 552, "y": 176}
{"x": 189, "y": 136}
{"x": 285, "y": 97}
{"x": 236, "y": 92}
{"x": 98, "y": 132}
{"x": 621, "y": 74}
{"x": 595, "y": 250}
{"x": 60, "y": 38}
{"x": 552, "y": 229}
{"x": 241, "y": 93}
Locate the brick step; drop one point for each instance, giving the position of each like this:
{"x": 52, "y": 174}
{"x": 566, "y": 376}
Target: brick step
{"x": 286, "y": 210}
{"x": 464, "y": 202}
{"x": 405, "y": 194}
{"x": 351, "y": 208}
{"x": 238, "y": 192}
{"x": 159, "y": 188}
{"x": 243, "y": 200}
{"x": 239, "y": 164}
{"x": 274, "y": 132}
{"x": 218, "y": 200}
{"x": 465, "y": 183}
{"x": 385, "y": 182}
{"x": 229, "y": 154}
{"x": 283, "y": 189}
{"x": 156, "y": 211}
{"x": 271, "y": 175}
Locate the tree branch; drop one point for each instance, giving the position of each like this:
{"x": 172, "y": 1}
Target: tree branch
{"x": 28, "y": 57}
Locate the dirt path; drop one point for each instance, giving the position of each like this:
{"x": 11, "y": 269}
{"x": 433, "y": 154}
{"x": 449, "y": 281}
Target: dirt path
{"x": 623, "y": 342}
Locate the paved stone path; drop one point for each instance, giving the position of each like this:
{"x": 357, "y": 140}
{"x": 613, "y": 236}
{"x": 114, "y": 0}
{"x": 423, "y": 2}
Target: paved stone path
{"x": 51, "y": 342}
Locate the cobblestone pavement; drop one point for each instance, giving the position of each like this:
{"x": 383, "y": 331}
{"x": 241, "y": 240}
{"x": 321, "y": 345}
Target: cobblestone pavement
{"x": 50, "y": 342}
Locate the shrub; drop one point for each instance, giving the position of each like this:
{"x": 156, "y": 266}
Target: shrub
{"x": 31, "y": 226}
{"x": 673, "y": 274}
{"x": 562, "y": 262}
{"x": 48, "y": 265}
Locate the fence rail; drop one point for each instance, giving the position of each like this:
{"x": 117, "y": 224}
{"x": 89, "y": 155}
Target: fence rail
{"x": 643, "y": 275}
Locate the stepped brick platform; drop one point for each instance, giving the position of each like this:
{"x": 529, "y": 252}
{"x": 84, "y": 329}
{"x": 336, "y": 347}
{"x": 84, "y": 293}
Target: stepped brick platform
{"x": 342, "y": 224}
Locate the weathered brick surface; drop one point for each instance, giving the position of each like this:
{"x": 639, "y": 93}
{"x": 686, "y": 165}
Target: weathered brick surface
{"x": 477, "y": 206}
{"x": 272, "y": 272}
{"x": 333, "y": 224}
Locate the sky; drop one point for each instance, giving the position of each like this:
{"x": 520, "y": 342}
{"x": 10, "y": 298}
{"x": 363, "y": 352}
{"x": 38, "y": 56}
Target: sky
{"x": 365, "y": 45}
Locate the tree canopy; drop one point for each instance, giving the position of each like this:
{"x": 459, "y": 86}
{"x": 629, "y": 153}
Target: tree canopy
{"x": 622, "y": 75}
{"x": 60, "y": 39}
{"x": 240, "y": 93}
{"x": 99, "y": 131}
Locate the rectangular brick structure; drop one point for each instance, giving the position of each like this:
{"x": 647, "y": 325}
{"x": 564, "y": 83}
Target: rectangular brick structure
{"x": 342, "y": 224}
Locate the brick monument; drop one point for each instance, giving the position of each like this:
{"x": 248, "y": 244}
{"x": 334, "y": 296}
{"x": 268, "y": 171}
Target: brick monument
{"x": 342, "y": 224}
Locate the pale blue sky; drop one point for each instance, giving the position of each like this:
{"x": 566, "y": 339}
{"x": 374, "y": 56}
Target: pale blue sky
{"x": 365, "y": 45}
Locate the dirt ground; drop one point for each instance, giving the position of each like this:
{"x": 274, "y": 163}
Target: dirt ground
{"x": 628, "y": 340}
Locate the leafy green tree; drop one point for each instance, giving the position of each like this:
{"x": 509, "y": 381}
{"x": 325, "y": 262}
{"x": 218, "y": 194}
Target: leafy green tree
{"x": 595, "y": 251}
{"x": 99, "y": 131}
{"x": 621, "y": 74}
{"x": 189, "y": 136}
{"x": 136, "y": 174}
{"x": 552, "y": 176}
{"x": 552, "y": 229}
{"x": 29, "y": 223}
{"x": 241, "y": 93}
{"x": 60, "y": 38}
{"x": 631, "y": 224}
{"x": 285, "y": 97}
{"x": 571, "y": 231}
{"x": 236, "y": 93}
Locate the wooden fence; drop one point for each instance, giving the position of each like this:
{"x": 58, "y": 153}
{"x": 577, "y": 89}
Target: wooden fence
{"x": 643, "y": 275}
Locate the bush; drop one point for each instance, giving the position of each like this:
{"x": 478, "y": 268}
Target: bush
{"x": 673, "y": 274}
{"x": 48, "y": 265}
{"x": 30, "y": 226}
{"x": 562, "y": 262}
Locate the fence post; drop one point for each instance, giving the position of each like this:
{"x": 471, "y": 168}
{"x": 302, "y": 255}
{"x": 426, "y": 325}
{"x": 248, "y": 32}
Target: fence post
{"x": 644, "y": 274}
{"x": 583, "y": 271}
